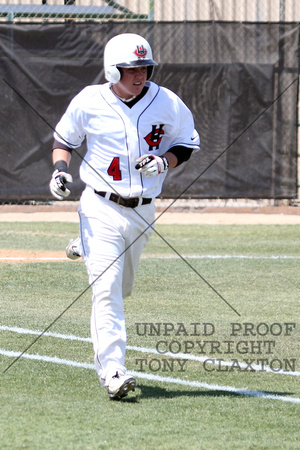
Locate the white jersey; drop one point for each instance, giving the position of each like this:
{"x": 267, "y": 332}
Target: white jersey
{"x": 116, "y": 136}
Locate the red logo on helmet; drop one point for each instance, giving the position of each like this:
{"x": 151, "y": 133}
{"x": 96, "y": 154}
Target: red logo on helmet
{"x": 140, "y": 51}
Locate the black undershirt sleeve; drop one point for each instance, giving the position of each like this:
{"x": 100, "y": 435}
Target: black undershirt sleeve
{"x": 181, "y": 152}
{"x": 57, "y": 144}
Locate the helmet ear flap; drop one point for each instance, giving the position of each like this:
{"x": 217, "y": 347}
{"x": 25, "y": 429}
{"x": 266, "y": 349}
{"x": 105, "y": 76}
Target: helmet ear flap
{"x": 113, "y": 74}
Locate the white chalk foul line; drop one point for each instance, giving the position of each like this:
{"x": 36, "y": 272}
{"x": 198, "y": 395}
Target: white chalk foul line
{"x": 51, "y": 359}
{"x": 206, "y": 359}
{"x": 272, "y": 257}
{"x": 157, "y": 378}
{"x": 69, "y": 337}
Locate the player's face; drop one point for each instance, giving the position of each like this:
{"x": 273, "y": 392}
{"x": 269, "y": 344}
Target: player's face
{"x": 132, "y": 82}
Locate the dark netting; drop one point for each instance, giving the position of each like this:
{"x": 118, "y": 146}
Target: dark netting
{"x": 239, "y": 79}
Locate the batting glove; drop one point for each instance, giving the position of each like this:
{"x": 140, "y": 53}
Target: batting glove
{"x": 58, "y": 184}
{"x": 151, "y": 165}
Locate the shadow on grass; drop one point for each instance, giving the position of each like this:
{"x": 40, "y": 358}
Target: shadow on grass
{"x": 159, "y": 392}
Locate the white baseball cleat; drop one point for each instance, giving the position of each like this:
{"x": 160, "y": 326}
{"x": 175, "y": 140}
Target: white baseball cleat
{"x": 73, "y": 249}
{"x": 120, "y": 385}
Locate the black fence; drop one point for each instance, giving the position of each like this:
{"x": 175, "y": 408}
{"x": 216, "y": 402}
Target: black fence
{"x": 239, "y": 79}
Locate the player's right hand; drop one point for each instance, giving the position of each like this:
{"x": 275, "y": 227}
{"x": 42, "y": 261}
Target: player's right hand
{"x": 58, "y": 184}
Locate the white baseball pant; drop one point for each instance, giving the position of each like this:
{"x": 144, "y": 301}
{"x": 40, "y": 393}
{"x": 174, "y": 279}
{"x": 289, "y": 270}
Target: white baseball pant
{"x": 107, "y": 232}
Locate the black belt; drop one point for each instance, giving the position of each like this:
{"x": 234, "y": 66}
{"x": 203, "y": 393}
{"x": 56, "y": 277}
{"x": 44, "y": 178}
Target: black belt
{"x": 131, "y": 202}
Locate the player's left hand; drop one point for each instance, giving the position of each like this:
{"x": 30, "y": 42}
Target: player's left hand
{"x": 58, "y": 184}
{"x": 151, "y": 165}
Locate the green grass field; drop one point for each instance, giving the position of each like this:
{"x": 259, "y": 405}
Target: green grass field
{"x": 227, "y": 375}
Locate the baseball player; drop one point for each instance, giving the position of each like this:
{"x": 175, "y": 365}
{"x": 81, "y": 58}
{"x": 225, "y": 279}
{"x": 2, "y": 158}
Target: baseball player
{"x": 135, "y": 131}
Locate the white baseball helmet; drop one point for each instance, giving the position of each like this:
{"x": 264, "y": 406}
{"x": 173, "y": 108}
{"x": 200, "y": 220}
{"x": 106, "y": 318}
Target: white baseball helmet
{"x": 126, "y": 50}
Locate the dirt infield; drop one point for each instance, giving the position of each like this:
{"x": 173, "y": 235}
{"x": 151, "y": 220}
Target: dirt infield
{"x": 181, "y": 213}
{"x": 17, "y": 256}
{"x": 184, "y": 214}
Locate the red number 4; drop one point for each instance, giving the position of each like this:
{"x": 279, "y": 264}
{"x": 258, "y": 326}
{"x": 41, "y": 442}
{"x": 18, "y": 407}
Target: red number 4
{"x": 114, "y": 169}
